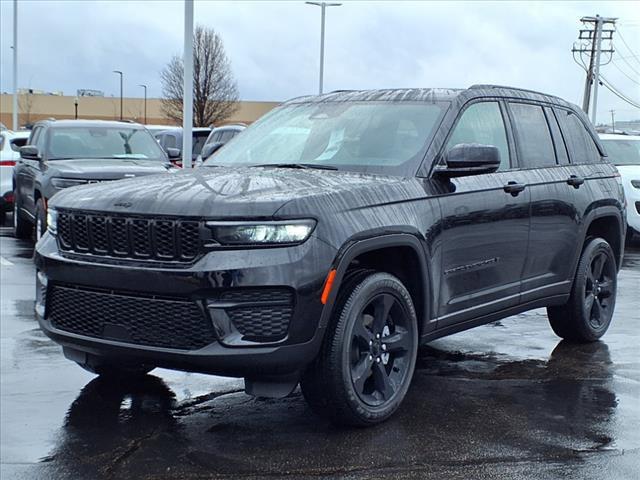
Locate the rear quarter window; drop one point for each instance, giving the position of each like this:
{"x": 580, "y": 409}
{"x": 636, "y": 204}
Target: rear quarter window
{"x": 581, "y": 147}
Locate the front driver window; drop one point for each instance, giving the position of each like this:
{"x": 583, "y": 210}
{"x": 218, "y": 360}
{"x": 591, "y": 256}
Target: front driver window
{"x": 482, "y": 123}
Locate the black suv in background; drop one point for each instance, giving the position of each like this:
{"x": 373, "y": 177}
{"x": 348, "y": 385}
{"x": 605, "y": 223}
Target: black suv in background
{"x": 334, "y": 236}
{"x": 65, "y": 153}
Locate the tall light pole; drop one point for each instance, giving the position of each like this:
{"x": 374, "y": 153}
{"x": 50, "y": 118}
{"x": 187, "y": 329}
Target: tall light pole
{"x": 145, "y": 101}
{"x": 75, "y": 104}
{"x": 15, "y": 65}
{"x": 120, "y": 73}
{"x": 323, "y": 7}
{"x": 187, "y": 86}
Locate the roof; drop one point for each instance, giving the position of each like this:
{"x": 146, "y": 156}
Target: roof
{"x": 429, "y": 94}
{"x": 90, "y": 123}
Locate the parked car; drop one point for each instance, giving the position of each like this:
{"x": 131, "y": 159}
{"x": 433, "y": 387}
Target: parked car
{"x": 66, "y": 153}
{"x": 334, "y": 236}
{"x": 624, "y": 153}
{"x": 217, "y": 138}
{"x": 173, "y": 139}
{"x": 10, "y": 143}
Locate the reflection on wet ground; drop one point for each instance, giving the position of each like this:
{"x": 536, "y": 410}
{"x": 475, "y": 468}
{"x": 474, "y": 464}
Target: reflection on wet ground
{"x": 506, "y": 400}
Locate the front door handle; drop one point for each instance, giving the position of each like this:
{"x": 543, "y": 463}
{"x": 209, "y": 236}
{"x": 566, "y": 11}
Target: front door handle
{"x": 514, "y": 188}
{"x": 575, "y": 181}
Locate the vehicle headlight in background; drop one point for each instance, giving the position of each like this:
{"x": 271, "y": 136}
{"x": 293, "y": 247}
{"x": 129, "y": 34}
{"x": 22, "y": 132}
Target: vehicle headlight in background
{"x": 60, "y": 182}
{"x": 261, "y": 233}
{"x": 635, "y": 183}
{"x": 52, "y": 221}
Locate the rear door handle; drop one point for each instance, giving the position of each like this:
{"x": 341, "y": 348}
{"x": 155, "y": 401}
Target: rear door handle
{"x": 575, "y": 181}
{"x": 514, "y": 188}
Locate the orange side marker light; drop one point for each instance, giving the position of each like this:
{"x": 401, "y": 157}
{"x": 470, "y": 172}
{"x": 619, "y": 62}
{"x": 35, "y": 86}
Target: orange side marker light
{"x": 328, "y": 283}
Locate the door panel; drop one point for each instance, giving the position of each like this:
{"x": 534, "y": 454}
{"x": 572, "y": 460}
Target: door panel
{"x": 485, "y": 227}
{"x": 484, "y": 246}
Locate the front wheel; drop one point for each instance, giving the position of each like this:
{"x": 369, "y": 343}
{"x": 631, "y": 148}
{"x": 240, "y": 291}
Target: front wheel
{"x": 587, "y": 315}
{"x": 367, "y": 360}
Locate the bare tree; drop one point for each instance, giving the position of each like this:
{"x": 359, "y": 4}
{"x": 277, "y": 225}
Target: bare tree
{"x": 25, "y": 105}
{"x": 215, "y": 93}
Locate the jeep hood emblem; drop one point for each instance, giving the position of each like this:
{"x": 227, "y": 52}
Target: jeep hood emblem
{"x": 122, "y": 204}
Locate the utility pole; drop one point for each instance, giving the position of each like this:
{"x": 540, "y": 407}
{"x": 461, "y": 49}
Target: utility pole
{"x": 15, "y": 66}
{"x": 593, "y": 35}
{"x": 187, "y": 86}
{"x": 323, "y": 6}
{"x": 120, "y": 73}
{"x": 145, "y": 102}
{"x": 613, "y": 121}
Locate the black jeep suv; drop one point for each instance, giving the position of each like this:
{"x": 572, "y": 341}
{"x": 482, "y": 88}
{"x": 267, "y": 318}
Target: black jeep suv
{"x": 65, "y": 153}
{"x": 333, "y": 237}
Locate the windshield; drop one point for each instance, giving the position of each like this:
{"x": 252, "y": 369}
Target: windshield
{"x": 623, "y": 151}
{"x": 102, "y": 142}
{"x": 372, "y": 137}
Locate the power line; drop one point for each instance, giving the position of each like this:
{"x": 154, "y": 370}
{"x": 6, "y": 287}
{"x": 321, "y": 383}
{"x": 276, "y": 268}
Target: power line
{"x": 606, "y": 83}
{"x": 624, "y": 59}
{"x": 623, "y": 72}
{"x": 627, "y": 45}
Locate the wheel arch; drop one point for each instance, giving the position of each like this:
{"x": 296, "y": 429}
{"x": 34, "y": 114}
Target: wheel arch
{"x": 605, "y": 222}
{"x": 411, "y": 268}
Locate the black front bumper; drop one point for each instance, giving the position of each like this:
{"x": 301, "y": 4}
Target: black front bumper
{"x": 146, "y": 308}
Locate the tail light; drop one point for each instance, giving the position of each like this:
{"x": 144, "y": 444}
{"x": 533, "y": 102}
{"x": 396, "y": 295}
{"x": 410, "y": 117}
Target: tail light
{"x": 7, "y": 163}
{"x": 8, "y": 197}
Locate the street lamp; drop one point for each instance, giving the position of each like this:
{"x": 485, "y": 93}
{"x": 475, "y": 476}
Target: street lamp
{"x": 120, "y": 73}
{"x": 75, "y": 104}
{"x": 145, "y": 101}
{"x": 323, "y": 6}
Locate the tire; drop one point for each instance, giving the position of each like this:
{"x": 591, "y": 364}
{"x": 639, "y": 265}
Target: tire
{"x": 359, "y": 378}
{"x": 21, "y": 227}
{"x": 106, "y": 368}
{"x": 40, "y": 227}
{"x": 587, "y": 315}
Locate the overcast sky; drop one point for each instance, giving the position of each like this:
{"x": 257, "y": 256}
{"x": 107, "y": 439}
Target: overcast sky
{"x": 274, "y": 46}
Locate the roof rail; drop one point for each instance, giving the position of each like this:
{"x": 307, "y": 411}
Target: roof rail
{"x": 342, "y": 90}
{"x": 487, "y": 86}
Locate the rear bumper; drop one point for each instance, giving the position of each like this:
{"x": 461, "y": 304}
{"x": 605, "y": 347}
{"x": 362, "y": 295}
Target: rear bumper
{"x": 300, "y": 270}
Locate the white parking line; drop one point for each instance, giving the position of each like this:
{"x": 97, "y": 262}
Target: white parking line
{"x": 5, "y": 262}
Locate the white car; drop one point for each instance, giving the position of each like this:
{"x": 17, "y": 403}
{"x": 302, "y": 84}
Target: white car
{"x": 10, "y": 143}
{"x": 624, "y": 153}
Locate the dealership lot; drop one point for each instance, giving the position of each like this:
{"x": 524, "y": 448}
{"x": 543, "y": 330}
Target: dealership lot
{"x": 502, "y": 401}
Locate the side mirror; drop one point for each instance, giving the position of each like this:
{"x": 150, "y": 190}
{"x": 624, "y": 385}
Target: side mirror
{"x": 467, "y": 159}
{"x": 30, "y": 152}
{"x": 209, "y": 149}
{"x": 173, "y": 153}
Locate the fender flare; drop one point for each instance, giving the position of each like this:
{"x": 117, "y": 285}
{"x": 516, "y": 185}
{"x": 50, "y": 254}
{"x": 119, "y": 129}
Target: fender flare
{"x": 357, "y": 247}
{"x": 594, "y": 214}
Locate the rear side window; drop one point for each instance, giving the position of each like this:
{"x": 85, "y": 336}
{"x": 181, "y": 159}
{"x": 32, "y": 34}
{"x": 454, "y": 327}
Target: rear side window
{"x": 558, "y": 141}
{"x": 533, "y": 138}
{"x": 482, "y": 123}
{"x": 581, "y": 146}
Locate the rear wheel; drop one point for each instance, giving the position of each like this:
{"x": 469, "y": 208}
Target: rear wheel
{"x": 587, "y": 314}
{"x": 21, "y": 227}
{"x": 367, "y": 360}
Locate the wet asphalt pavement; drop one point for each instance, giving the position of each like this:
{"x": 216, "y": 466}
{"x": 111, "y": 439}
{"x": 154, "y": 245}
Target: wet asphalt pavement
{"x": 503, "y": 401}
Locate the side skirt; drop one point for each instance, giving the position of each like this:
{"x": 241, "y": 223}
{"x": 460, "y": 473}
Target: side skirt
{"x": 492, "y": 317}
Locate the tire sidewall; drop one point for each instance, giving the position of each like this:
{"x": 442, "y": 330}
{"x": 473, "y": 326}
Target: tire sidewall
{"x": 594, "y": 247}
{"x": 40, "y": 221}
{"x": 361, "y": 295}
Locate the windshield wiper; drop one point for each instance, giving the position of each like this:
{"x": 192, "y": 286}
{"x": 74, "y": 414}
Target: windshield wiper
{"x": 302, "y": 166}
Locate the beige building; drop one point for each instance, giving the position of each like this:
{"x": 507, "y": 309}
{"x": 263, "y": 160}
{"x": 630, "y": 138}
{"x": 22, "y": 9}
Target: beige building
{"x": 34, "y": 107}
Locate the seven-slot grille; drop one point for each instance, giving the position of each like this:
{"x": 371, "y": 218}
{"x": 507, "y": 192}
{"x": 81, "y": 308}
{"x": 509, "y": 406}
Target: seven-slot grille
{"x": 129, "y": 237}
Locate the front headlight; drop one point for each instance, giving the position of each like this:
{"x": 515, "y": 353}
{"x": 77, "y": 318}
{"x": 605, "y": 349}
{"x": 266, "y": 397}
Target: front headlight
{"x": 60, "y": 182}
{"x": 261, "y": 233}
{"x": 52, "y": 221}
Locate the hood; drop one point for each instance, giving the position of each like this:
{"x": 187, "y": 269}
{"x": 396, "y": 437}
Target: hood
{"x": 107, "y": 169}
{"x": 218, "y": 192}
